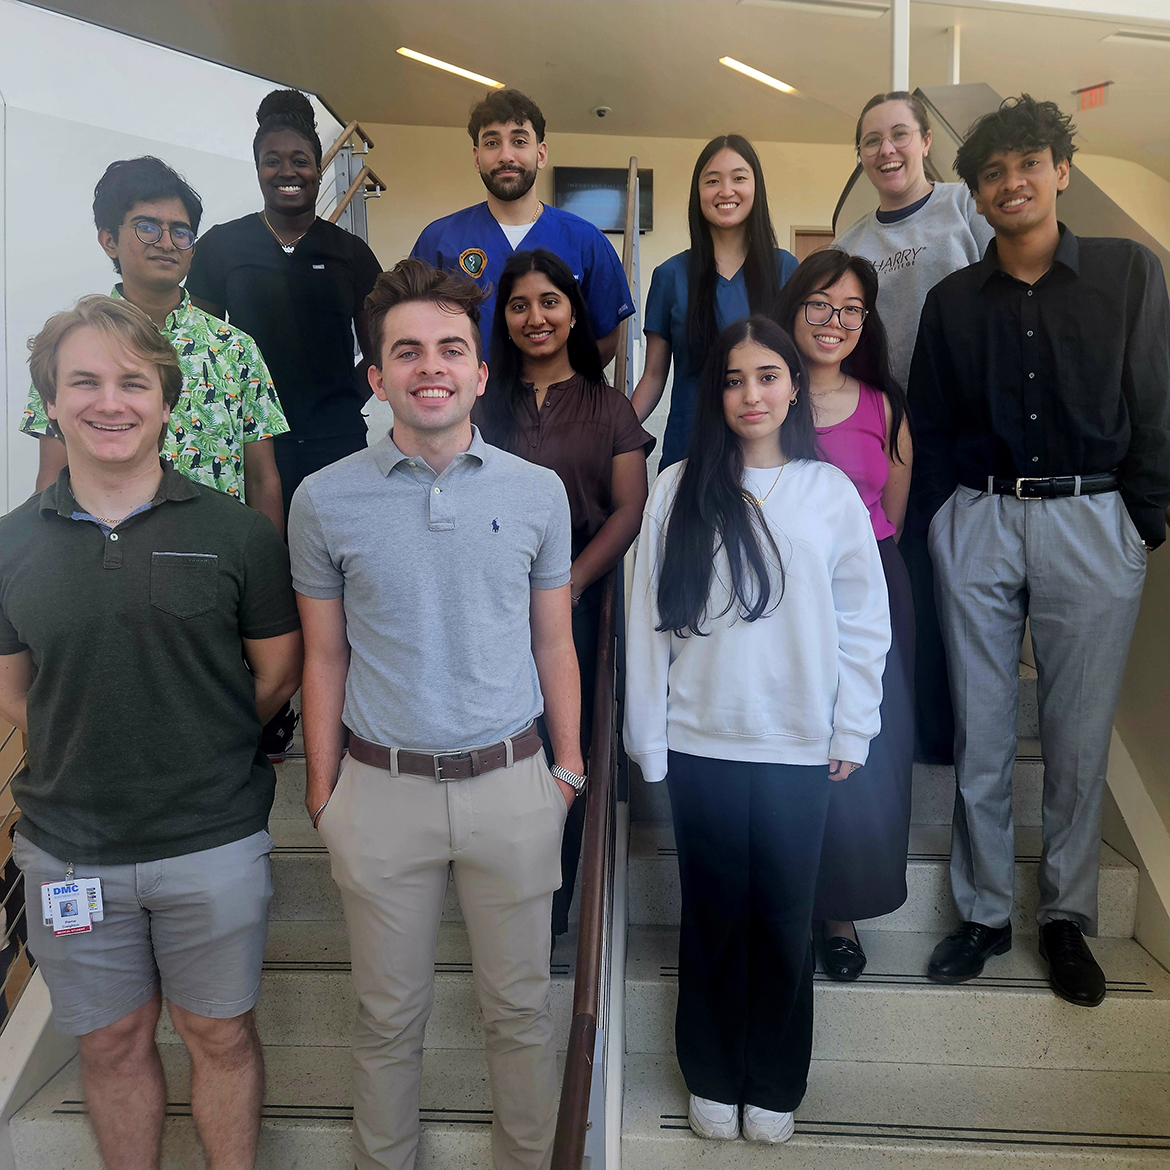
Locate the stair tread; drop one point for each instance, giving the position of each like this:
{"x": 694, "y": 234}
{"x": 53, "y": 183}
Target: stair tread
{"x": 904, "y": 1106}
{"x": 323, "y": 946}
{"x": 897, "y": 959}
{"x": 307, "y": 1082}
{"x": 929, "y": 844}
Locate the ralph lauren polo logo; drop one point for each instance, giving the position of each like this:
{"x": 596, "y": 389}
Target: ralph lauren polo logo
{"x": 495, "y": 525}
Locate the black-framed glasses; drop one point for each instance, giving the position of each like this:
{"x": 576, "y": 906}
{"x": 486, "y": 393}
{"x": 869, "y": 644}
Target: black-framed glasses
{"x": 852, "y": 317}
{"x": 899, "y": 139}
{"x": 150, "y": 232}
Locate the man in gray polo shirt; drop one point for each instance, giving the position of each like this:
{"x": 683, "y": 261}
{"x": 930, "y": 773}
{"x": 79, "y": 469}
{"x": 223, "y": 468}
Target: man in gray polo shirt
{"x": 432, "y": 574}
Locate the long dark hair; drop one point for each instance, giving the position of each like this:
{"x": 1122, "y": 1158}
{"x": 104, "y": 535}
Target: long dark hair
{"x": 710, "y": 510}
{"x": 497, "y": 414}
{"x": 759, "y": 266}
{"x": 870, "y": 360}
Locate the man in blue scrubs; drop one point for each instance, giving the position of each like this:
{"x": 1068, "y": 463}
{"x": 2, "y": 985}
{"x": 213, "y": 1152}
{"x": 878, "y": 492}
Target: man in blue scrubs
{"x": 507, "y": 129}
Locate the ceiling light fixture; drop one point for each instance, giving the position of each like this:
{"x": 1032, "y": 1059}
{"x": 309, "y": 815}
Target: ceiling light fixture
{"x": 1139, "y": 36}
{"x": 437, "y": 64}
{"x": 756, "y": 75}
{"x": 864, "y": 9}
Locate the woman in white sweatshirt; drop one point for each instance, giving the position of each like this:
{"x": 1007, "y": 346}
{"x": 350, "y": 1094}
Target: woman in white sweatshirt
{"x": 758, "y": 631}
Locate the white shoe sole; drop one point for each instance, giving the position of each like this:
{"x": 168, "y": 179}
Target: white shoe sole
{"x": 752, "y": 1134}
{"x": 716, "y": 1131}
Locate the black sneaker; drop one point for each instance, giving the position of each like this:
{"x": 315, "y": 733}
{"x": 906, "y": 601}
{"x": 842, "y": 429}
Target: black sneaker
{"x": 278, "y": 732}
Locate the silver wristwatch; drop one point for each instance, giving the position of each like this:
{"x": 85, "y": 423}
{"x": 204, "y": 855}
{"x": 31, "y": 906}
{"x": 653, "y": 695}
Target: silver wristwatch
{"x": 575, "y": 782}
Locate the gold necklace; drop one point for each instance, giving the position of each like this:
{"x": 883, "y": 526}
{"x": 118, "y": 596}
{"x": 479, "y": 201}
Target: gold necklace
{"x": 286, "y": 248}
{"x": 536, "y": 214}
{"x": 760, "y": 503}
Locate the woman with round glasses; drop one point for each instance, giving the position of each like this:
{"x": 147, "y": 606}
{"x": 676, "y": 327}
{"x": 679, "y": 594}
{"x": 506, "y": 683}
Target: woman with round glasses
{"x": 298, "y": 284}
{"x": 732, "y": 268}
{"x": 922, "y": 230}
{"x": 829, "y": 306}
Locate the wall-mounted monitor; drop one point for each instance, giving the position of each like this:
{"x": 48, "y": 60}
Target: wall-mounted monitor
{"x": 598, "y": 194}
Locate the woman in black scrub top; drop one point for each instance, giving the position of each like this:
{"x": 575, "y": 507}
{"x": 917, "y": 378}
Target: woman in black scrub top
{"x": 298, "y": 285}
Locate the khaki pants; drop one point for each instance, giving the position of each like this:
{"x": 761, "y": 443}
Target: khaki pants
{"x": 393, "y": 840}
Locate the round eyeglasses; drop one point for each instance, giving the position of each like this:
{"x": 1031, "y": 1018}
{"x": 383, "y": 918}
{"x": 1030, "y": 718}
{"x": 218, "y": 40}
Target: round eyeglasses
{"x": 150, "y": 232}
{"x": 852, "y": 317}
{"x": 899, "y": 138}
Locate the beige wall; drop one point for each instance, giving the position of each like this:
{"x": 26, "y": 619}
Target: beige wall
{"x": 1136, "y": 190}
{"x": 430, "y": 174}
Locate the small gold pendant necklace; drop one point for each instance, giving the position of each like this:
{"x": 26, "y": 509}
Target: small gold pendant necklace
{"x": 287, "y": 249}
{"x": 760, "y": 503}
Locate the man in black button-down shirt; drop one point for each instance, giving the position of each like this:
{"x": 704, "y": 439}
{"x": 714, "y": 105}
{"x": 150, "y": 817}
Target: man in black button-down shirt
{"x": 1040, "y": 386}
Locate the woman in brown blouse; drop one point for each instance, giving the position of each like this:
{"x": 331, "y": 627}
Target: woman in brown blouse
{"x": 548, "y": 402}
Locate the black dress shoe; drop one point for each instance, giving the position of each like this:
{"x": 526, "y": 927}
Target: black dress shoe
{"x": 1072, "y": 970}
{"x": 961, "y": 955}
{"x": 842, "y": 958}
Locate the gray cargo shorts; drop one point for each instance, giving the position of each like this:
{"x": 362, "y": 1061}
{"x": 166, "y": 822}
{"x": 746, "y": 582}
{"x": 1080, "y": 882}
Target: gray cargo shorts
{"x": 195, "y": 924}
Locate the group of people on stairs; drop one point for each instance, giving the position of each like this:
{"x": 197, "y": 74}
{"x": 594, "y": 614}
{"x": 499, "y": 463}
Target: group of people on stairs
{"x": 877, "y": 464}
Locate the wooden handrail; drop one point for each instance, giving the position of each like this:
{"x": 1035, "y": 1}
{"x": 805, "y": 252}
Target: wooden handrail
{"x": 620, "y": 373}
{"x": 365, "y": 175}
{"x": 573, "y": 1114}
{"x": 346, "y": 134}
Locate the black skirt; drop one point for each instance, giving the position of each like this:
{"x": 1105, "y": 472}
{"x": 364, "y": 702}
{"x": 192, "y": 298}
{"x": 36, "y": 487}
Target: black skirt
{"x": 867, "y": 834}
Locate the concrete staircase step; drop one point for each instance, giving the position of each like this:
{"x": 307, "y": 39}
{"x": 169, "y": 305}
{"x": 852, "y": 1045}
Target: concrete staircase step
{"x": 933, "y": 792}
{"x": 307, "y": 997}
{"x": 654, "y": 886}
{"x": 306, "y": 1121}
{"x": 867, "y": 1115}
{"x": 1008, "y": 1017}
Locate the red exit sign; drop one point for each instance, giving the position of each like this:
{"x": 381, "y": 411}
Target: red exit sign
{"x": 1092, "y": 96}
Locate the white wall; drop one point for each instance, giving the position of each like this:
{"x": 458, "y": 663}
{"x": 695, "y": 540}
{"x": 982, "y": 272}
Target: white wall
{"x": 75, "y": 98}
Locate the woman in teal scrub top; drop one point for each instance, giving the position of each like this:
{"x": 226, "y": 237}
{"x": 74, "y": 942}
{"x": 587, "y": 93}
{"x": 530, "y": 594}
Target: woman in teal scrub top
{"x": 732, "y": 269}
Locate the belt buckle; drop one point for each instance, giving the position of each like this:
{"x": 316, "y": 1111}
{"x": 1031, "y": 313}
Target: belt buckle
{"x": 437, "y": 761}
{"x": 1028, "y": 479}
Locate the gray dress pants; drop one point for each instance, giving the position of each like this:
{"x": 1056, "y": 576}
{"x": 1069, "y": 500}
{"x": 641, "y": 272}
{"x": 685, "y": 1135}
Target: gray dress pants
{"x": 1074, "y": 567}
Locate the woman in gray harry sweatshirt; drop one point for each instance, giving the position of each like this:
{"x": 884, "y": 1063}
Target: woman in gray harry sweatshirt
{"x": 922, "y": 231}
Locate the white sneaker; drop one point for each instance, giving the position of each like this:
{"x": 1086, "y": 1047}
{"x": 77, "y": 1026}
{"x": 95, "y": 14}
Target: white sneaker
{"x": 762, "y": 1125}
{"x": 713, "y": 1119}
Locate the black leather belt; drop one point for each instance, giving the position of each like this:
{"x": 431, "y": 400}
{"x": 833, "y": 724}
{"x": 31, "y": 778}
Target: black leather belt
{"x": 449, "y": 765}
{"x": 1047, "y": 487}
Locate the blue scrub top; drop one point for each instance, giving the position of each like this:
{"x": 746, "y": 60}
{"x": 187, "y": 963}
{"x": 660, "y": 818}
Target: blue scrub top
{"x": 471, "y": 242}
{"x": 666, "y": 315}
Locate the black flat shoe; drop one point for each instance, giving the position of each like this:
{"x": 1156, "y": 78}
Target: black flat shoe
{"x": 961, "y": 955}
{"x": 842, "y": 958}
{"x": 1072, "y": 971}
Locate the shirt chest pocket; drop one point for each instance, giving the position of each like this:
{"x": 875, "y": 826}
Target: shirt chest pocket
{"x": 184, "y": 584}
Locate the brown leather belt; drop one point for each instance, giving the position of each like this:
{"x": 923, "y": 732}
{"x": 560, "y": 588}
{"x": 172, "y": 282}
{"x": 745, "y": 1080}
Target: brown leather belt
{"x": 448, "y": 765}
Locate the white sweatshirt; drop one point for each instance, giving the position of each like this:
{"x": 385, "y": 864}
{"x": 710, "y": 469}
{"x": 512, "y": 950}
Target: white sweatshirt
{"x": 801, "y": 685}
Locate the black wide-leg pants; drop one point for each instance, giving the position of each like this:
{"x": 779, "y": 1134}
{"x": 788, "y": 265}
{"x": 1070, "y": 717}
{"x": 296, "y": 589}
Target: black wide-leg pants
{"x": 749, "y": 841}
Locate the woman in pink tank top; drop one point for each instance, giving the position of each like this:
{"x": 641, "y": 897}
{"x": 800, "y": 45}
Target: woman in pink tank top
{"x": 829, "y": 306}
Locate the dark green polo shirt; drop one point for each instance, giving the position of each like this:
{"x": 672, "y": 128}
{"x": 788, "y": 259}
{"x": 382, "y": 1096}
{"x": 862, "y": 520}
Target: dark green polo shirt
{"x": 143, "y": 737}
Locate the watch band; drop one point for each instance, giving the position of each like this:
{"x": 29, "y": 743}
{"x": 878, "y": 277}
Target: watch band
{"x": 575, "y": 782}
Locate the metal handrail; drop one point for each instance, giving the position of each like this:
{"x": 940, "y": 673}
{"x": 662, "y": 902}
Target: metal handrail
{"x": 366, "y": 182}
{"x": 13, "y": 918}
{"x": 596, "y": 888}
{"x": 346, "y": 134}
{"x": 631, "y": 227}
